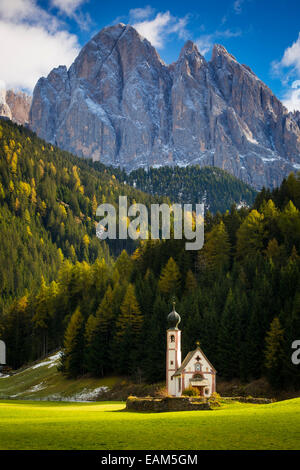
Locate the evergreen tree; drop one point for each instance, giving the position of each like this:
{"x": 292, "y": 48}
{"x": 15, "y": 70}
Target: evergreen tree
{"x": 98, "y": 334}
{"x": 228, "y": 344}
{"x": 169, "y": 281}
{"x": 250, "y": 236}
{"x": 73, "y": 352}
{"x": 274, "y": 353}
{"x": 217, "y": 249}
{"x": 128, "y": 334}
{"x": 153, "y": 345}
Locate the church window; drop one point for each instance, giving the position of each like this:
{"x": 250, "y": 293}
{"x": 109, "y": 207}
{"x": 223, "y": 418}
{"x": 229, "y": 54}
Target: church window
{"x": 171, "y": 363}
{"x": 172, "y": 338}
{"x": 198, "y": 366}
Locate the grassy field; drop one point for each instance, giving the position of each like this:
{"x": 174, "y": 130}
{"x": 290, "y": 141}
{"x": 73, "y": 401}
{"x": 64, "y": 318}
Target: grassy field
{"x": 48, "y": 425}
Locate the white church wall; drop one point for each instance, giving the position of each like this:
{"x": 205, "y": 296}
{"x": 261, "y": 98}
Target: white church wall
{"x": 206, "y": 371}
{"x": 2, "y": 352}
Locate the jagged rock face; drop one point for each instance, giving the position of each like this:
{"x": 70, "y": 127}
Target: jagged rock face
{"x": 120, "y": 104}
{"x": 15, "y": 106}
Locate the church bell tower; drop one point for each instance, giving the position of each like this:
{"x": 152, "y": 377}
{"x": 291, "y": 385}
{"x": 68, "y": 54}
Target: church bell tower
{"x": 173, "y": 356}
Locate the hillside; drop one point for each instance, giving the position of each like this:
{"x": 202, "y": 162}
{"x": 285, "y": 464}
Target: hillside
{"x": 215, "y": 187}
{"x": 42, "y": 381}
{"x": 62, "y": 289}
{"x": 110, "y": 318}
{"x": 48, "y": 200}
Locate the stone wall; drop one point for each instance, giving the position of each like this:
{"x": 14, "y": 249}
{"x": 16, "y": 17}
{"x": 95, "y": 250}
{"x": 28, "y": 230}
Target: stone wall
{"x": 150, "y": 404}
{"x": 256, "y": 401}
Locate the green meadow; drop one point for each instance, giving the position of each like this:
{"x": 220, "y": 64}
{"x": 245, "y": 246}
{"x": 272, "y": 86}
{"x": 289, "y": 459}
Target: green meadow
{"x": 50, "y": 425}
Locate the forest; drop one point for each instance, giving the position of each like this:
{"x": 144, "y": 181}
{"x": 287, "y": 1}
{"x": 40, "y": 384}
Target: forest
{"x": 193, "y": 184}
{"x": 61, "y": 287}
{"x": 48, "y": 201}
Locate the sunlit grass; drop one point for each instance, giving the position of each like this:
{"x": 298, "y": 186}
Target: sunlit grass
{"x": 48, "y": 425}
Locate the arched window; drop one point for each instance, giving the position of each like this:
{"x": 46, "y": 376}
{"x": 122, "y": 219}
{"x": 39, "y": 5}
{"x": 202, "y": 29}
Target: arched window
{"x": 172, "y": 338}
{"x": 197, "y": 367}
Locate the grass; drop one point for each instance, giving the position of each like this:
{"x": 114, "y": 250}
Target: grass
{"x": 45, "y": 382}
{"x": 48, "y": 425}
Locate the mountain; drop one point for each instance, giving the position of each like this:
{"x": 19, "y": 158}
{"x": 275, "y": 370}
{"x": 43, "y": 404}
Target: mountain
{"x": 15, "y": 105}
{"x": 120, "y": 104}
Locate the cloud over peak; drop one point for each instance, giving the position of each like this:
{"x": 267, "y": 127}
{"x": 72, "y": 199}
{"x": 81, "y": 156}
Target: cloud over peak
{"x": 157, "y": 29}
{"x": 288, "y": 69}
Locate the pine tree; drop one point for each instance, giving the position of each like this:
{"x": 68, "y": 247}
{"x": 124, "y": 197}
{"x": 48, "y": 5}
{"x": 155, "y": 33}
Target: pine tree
{"x": 169, "y": 281}
{"x": 250, "y": 236}
{"x": 190, "y": 282}
{"x": 228, "y": 345}
{"x": 73, "y": 352}
{"x": 154, "y": 343}
{"x": 217, "y": 249}
{"x": 127, "y": 334}
{"x": 98, "y": 336}
{"x": 274, "y": 353}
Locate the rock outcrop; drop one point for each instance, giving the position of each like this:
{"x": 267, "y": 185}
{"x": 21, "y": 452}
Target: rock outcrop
{"x": 15, "y": 105}
{"x": 119, "y": 103}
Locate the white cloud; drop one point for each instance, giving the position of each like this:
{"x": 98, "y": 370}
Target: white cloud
{"x": 158, "y": 29}
{"x": 291, "y": 99}
{"x": 288, "y": 68}
{"x": 291, "y": 56}
{"x": 206, "y": 41}
{"x": 34, "y": 42}
{"x": 31, "y": 52}
{"x": 17, "y": 11}
{"x": 68, "y": 6}
{"x": 141, "y": 13}
{"x": 237, "y": 6}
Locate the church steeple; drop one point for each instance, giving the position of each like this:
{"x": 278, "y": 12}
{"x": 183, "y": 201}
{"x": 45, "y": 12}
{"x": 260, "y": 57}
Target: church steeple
{"x": 173, "y": 356}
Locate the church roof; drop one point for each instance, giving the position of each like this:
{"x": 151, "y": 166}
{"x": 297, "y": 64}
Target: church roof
{"x": 187, "y": 359}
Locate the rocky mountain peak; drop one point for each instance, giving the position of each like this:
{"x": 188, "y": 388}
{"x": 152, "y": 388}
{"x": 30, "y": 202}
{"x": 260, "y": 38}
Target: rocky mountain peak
{"x": 189, "y": 48}
{"x": 121, "y": 104}
{"x": 219, "y": 51}
{"x": 15, "y": 105}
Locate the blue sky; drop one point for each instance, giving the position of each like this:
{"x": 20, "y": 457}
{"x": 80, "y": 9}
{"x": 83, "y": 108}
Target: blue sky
{"x": 264, "y": 34}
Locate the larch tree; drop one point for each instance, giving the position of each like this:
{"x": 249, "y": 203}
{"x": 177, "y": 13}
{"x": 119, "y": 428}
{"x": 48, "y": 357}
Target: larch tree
{"x": 169, "y": 281}
{"x": 217, "y": 249}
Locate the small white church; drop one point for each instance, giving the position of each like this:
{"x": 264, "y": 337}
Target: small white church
{"x": 195, "y": 370}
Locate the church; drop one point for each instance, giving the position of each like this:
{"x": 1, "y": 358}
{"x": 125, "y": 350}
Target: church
{"x": 195, "y": 370}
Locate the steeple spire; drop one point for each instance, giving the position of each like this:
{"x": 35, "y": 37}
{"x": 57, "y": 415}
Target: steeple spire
{"x": 173, "y": 318}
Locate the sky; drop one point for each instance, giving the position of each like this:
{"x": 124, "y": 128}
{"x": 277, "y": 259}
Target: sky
{"x": 38, "y": 35}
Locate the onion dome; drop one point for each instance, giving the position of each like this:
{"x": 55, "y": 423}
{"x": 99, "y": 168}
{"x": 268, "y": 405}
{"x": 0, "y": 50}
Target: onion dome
{"x": 173, "y": 319}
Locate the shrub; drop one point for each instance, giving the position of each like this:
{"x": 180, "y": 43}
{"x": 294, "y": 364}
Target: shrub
{"x": 190, "y": 392}
{"x": 215, "y": 399}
